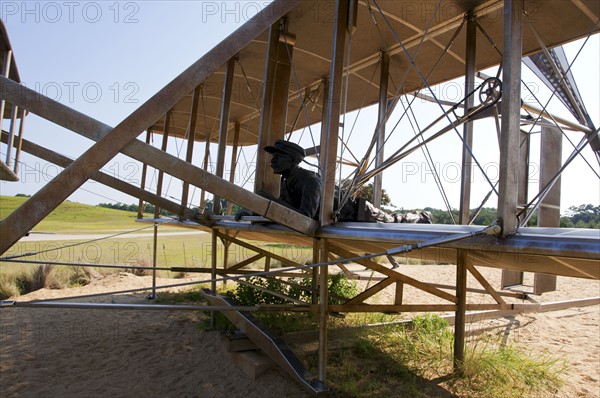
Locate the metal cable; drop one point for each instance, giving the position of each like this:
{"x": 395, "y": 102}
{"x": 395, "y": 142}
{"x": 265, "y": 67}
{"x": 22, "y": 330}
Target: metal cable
{"x": 493, "y": 229}
{"x": 79, "y": 243}
{"x": 431, "y": 164}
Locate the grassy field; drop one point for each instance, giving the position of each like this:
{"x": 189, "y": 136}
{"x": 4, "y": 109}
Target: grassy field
{"x": 74, "y": 217}
{"x": 192, "y": 250}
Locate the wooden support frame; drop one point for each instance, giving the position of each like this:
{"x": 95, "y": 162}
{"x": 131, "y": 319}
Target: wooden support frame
{"x": 331, "y": 125}
{"x": 461, "y": 308}
{"x": 191, "y": 140}
{"x": 274, "y": 104}
{"x": 163, "y": 147}
{"x": 24, "y": 218}
{"x": 511, "y": 278}
{"x": 511, "y": 116}
{"x": 372, "y": 291}
{"x": 549, "y": 210}
{"x": 323, "y": 310}
{"x": 140, "y": 212}
{"x": 381, "y": 123}
{"x": 16, "y": 225}
{"x": 205, "y": 166}
{"x": 11, "y": 135}
{"x": 224, "y": 127}
{"x": 550, "y": 163}
{"x": 19, "y": 143}
{"x": 467, "y": 159}
{"x": 234, "y": 155}
{"x": 7, "y": 55}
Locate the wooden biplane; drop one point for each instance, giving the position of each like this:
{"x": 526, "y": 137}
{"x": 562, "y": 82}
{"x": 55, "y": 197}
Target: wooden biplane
{"x": 301, "y": 63}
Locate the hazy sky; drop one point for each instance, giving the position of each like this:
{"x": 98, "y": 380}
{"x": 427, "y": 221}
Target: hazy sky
{"x": 106, "y": 58}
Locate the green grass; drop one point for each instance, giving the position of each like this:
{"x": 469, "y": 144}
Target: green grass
{"x": 74, "y": 217}
{"x": 414, "y": 360}
{"x": 172, "y": 251}
{"x": 417, "y": 362}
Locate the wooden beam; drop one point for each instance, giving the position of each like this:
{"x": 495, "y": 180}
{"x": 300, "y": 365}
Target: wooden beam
{"x": 91, "y": 128}
{"x": 224, "y": 128}
{"x": 7, "y": 55}
{"x": 549, "y": 212}
{"x": 381, "y": 121}
{"x": 205, "y": 167}
{"x": 371, "y": 291}
{"x": 550, "y": 163}
{"x": 191, "y": 140}
{"x": 512, "y": 277}
{"x": 467, "y": 159}
{"x": 103, "y": 178}
{"x": 323, "y": 309}
{"x": 161, "y": 174}
{"x": 11, "y": 135}
{"x": 399, "y": 294}
{"x": 140, "y": 212}
{"x": 462, "y": 262}
{"x": 234, "y": 154}
{"x": 19, "y": 144}
{"x": 330, "y": 129}
{"x": 245, "y": 262}
{"x": 486, "y": 285}
{"x": 389, "y": 308}
{"x": 36, "y": 208}
{"x": 511, "y": 117}
{"x": 276, "y": 87}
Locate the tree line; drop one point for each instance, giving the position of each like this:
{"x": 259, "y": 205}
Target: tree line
{"x": 582, "y": 216}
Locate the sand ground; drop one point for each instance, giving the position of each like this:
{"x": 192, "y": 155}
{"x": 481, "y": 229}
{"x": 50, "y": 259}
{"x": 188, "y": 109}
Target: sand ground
{"x": 100, "y": 353}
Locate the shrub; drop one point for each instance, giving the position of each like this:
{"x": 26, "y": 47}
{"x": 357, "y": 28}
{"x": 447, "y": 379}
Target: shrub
{"x": 339, "y": 285}
{"x": 80, "y": 276}
{"x": 26, "y": 281}
{"x": 8, "y": 286}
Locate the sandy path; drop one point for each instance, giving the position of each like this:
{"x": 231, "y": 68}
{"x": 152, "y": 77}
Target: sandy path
{"x": 99, "y": 353}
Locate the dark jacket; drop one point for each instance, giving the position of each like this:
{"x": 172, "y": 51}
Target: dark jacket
{"x": 301, "y": 189}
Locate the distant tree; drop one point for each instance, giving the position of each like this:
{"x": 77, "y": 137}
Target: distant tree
{"x": 366, "y": 192}
{"x": 148, "y": 208}
{"x": 582, "y": 216}
{"x": 441, "y": 216}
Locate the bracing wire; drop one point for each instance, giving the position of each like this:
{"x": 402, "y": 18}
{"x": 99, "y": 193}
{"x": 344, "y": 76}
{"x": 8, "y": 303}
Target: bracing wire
{"x": 562, "y": 77}
{"x": 397, "y": 98}
{"x": 353, "y": 186}
{"x": 542, "y": 194}
{"x": 345, "y": 111}
{"x": 301, "y": 98}
{"x": 425, "y": 82}
{"x": 577, "y": 149}
{"x": 491, "y": 230}
{"x": 28, "y": 254}
{"x": 431, "y": 164}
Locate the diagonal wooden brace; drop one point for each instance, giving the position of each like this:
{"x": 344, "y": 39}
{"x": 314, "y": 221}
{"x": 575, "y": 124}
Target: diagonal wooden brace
{"x": 69, "y": 180}
{"x": 110, "y": 181}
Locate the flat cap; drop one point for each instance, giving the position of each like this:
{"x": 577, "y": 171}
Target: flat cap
{"x": 287, "y": 147}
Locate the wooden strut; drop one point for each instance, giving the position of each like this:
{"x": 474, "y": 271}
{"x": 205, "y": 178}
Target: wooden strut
{"x": 88, "y": 127}
{"x": 191, "y": 139}
{"x": 24, "y": 218}
{"x": 106, "y": 179}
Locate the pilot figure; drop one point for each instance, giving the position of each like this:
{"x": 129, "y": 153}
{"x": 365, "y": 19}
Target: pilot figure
{"x": 301, "y": 190}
